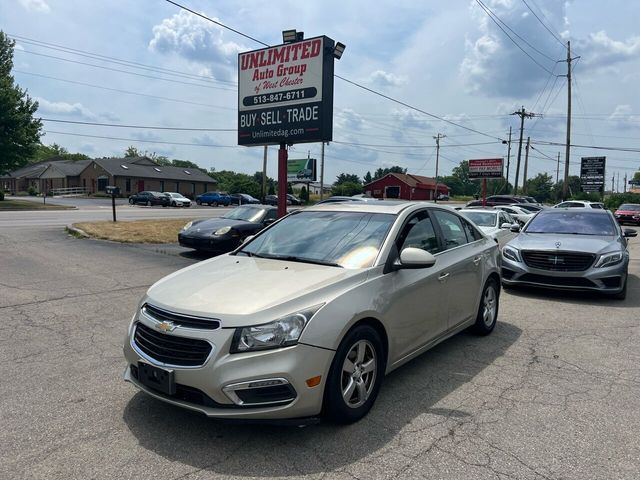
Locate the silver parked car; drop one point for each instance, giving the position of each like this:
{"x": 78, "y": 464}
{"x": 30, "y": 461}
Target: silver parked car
{"x": 497, "y": 224}
{"x": 308, "y": 316}
{"x": 573, "y": 248}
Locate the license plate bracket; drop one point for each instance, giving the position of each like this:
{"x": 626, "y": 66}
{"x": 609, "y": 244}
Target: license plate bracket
{"x": 159, "y": 379}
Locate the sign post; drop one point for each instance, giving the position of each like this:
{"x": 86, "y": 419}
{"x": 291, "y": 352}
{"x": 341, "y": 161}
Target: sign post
{"x": 485, "y": 168}
{"x": 592, "y": 174}
{"x": 285, "y": 96}
{"x": 113, "y": 191}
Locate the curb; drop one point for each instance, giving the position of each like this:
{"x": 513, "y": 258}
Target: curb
{"x": 76, "y": 231}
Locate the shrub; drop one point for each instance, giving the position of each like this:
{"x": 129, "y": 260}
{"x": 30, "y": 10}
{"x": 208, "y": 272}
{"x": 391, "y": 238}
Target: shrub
{"x": 32, "y": 191}
{"x": 22, "y": 194}
{"x": 1, "y": 195}
{"x": 612, "y": 202}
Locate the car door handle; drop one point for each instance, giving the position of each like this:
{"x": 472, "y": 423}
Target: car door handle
{"x": 477, "y": 260}
{"x": 443, "y": 277}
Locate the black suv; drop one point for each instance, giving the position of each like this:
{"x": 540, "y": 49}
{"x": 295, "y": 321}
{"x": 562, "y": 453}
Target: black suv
{"x": 494, "y": 200}
{"x": 150, "y": 198}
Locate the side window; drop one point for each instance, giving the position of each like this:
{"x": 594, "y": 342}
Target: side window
{"x": 271, "y": 215}
{"x": 471, "y": 231}
{"x": 419, "y": 233}
{"x": 452, "y": 230}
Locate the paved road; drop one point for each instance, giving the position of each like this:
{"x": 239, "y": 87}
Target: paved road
{"x": 553, "y": 393}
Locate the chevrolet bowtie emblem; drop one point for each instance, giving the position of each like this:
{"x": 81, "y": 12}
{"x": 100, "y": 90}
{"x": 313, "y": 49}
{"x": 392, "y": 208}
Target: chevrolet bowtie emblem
{"x": 166, "y": 326}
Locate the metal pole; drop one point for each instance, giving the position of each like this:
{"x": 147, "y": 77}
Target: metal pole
{"x": 437, "y": 137}
{"x": 568, "y": 145}
{"x": 113, "y": 205}
{"x": 322, "y": 172}
{"x": 263, "y": 191}
{"x": 526, "y": 164}
{"x": 282, "y": 180}
{"x": 558, "y": 169}
{"x": 515, "y": 185}
{"x": 484, "y": 192}
{"x": 508, "y": 155}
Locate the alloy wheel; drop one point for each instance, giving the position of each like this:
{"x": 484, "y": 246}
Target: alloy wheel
{"x": 359, "y": 371}
{"x": 489, "y": 304}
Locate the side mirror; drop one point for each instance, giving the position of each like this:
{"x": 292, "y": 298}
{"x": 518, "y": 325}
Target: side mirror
{"x": 411, "y": 257}
{"x": 269, "y": 221}
{"x": 506, "y": 225}
{"x": 515, "y": 228}
{"x": 629, "y": 232}
{"x": 248, "y": 239}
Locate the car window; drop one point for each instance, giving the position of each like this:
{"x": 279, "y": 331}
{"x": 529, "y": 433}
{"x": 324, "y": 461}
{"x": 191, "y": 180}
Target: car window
{"x": 271, "y": 215}
{"x": 419, "y": 233}
{"x": 453, "y": 233}
{"x": 509, "y": 210}
{"x": 597, "y": 205}
{"x": 574, "y": 222}
{"x": 472, "y": 233}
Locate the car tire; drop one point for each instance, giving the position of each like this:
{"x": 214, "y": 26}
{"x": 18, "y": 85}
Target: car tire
{"x": 198, "y": 202}
{"x": 131, "y": 202}
{"x": 214, "y": 204}
{"x": 148, "y": 203}
{"x": 488, "y": 308}
{"x": 173, "y": 204}
{"x": 351, "y": 390}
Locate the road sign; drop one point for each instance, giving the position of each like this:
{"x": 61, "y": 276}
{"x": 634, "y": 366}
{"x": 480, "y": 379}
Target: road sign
{"x": 303, "y": 170}
{"x": 592, "y": 174}
{"x": 486, "y": 168}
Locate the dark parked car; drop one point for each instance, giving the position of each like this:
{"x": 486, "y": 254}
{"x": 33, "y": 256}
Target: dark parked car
{"x": 273, "y": 200}
{"x": 628, "y": 213}
{"x": 243, "y": 199}
{"x": 221, "y": 235}
{"x": 293, "y": 200}
{"x": 214, "y": 199}
{"x": 494, "y": 200}
{"x": 150, "y": 198}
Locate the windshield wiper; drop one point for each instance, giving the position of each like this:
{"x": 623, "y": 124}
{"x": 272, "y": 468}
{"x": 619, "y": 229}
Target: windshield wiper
{"x": 293, "y": 258}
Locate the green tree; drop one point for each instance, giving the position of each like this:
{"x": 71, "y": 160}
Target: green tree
{"x": 381, "y": 172}
{"x": 131, "y": 152}
{"x": 19, "y": 130}
{"x": 54, "y": 151}
{"x": 347, "y": 178}
{"x": 304, "y": 194}
{"x": 540, "y": 187}
{"x": 636, "y": 176}
{"x": 367, "y": 178}
{"x": 346, "y": 188}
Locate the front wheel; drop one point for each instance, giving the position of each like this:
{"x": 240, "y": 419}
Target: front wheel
{"x": 131, "y": 201}
{"x": 198, "y": 202}
{"x": 214, "y": 204}
{"x": 173, "y": 204}
{"x": 148, "y": 203}
{"x": 355, "y": 376}
{"x": 488, "y": 309}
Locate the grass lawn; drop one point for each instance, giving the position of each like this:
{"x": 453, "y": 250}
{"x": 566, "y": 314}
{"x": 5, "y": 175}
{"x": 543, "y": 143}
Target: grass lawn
{"x": 28, "y": 205}
{"x": 137, "y": 231}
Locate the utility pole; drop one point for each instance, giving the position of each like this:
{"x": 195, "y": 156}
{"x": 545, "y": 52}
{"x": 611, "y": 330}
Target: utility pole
{"x": 625, "y": 183}
{"x": 437, "y": 138}
{"x": 508, "y": 157}
{"x": 568, "y": 143}
{"x": 522, "y": 114}
{"x": 322, "y": 172}
{"x": 558, "y": 169}
{"x": 618, "y": 184}
{"x": 613, "y": 180}
{"x": 264, "y": 175}
{"x": 526, "y": 163}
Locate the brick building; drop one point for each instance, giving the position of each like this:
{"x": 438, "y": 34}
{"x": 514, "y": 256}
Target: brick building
{"x": 405, "y": 187}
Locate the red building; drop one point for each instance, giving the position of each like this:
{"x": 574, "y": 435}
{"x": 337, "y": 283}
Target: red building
{"x": 405, "y": 187}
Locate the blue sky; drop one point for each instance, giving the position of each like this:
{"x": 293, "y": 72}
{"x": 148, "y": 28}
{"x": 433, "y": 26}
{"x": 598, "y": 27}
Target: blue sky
{"x": 446, "y": 58}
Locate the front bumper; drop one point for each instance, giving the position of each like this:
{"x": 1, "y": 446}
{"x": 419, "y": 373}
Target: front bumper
{"x": 202, "y": 388}
{"x": 209, "y": 243}
{"x": 606, "y": 280}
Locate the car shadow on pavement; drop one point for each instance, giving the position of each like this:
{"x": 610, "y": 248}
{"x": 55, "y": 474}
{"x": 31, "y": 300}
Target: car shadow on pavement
{"x": 582, "y": 298}
{"x": 424, "y": 394}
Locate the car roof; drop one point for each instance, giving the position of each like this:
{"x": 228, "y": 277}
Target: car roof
{"x": 393, "y": 207}
{"x": 482, "y": 210}
{"x": 558, "y": 211}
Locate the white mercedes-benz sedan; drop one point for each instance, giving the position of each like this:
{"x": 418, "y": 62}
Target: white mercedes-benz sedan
{"x": 307, "y": 317}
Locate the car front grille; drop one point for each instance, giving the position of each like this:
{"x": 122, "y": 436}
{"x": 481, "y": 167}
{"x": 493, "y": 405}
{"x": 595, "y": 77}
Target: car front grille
{"x": 179, "y": 319}
{"x": 558, "y": 261}
{"x": 171, "y": 349}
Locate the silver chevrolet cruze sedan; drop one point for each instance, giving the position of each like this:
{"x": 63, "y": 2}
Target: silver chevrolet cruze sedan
{"x": 569, "y": 248}
{"x": 307, "y": 317}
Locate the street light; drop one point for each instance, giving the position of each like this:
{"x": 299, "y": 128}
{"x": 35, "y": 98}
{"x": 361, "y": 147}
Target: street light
{"x": 338, "y": 50}
{"x": 290, "y": 36}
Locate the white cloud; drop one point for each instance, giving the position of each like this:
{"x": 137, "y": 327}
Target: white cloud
{"x": 64, "y": 108}
{"x": 39, "y": 6}
{"x": 623, "y": 118}
{"x": 348, "y": 119}
{"x": 196, "y": 40}
{"x": 603, "y": 51}
{"x": 381, "y": 78}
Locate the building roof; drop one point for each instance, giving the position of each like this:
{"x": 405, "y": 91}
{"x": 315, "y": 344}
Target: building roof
{"x": 67, "y": 168}
{"x": 147, "y": 168}
{"x": 414, "y": 181}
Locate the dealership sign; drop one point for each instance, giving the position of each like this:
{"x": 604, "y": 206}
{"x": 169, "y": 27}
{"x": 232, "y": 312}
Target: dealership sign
{"x": 303, "y": 170}
{"x": 285, "y": 93}
{"x": 485, "y": 168}
{"x": 592, "y": 174}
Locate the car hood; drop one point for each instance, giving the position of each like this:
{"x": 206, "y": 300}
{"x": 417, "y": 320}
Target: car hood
{"x": 576, "y": 243}
{"x": 490, "y": 231}
{"x": 244, "y": 291}
{"x": 208, "y": 226}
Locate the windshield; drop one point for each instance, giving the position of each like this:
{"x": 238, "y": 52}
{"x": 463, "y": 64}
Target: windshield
{"x": 250, "y": 214}
{"x": 175, "y": 195}
{"x": 345, "y": 239}
{"x": 571, "y": 222}
{"x": 482, "y": 219}
{"x": 635, "y": 207}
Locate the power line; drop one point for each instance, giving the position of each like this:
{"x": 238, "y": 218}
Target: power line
{"x": 596, "y": 147}
{"x": 338, "y": 76}
{"x": 187, "y": 102}
{"x": 411, "y": 146}
{"x": 510, "y": 38}
{"x": 147, "y": 127}
{"x": 134, "y": 140}
{"x": 544, "y": 25}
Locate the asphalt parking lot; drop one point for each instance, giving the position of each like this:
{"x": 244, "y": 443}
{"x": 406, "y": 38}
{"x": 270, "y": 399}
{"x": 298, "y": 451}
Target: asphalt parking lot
{"x": 553, "y": 393}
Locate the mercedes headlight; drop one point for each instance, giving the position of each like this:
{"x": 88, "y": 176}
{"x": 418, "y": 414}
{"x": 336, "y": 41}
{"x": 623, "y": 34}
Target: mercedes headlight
{"x": 609, "y": 259}
{"x": 222, "y": 231}
{"x": 282, "y": 332}
{"x": 511, "y": 253}
{"x": 187, "y": 226}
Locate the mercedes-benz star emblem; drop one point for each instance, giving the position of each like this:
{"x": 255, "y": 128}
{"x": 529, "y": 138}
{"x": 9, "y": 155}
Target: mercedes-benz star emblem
{"x": 558, "y": 244}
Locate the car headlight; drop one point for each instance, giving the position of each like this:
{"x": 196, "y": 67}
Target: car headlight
{"x": 222, "y": 231}
{"x": 636, "y": 217}
{"x": 187, "y": 226}
{"x": 608, "y": 259}
{"x": 511, "y": 253}
{"x": 282, "y": 332}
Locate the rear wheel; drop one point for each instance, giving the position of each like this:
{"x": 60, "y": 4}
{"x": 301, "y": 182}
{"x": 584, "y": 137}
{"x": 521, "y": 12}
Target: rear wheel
{"x": 214, "y": 204}
{"x": 198, "y": 202}
{"x": 355, "y": 376}
{"x": 173, "y": 204}
{"x": 131, "y": 201}
{"x": 148, "y": 203}
{"x": 488, "y": 309}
